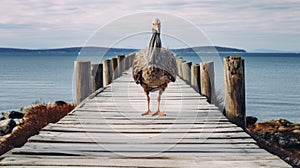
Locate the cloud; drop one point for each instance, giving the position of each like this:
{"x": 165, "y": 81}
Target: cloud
{"x": 73, "y": 19}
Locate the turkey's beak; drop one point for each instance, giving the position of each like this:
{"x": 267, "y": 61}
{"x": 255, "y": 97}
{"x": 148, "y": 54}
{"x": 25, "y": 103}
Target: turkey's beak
{"x": 156, "y": 27}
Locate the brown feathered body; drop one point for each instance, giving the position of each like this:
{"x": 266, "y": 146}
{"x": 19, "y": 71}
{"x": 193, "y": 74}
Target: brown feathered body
{"x": 154, "y": 68}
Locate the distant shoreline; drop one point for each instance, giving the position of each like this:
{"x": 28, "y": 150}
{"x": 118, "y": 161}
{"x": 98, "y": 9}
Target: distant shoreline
{"x": 205, "y": 49}
{"x": 201, "y": 49}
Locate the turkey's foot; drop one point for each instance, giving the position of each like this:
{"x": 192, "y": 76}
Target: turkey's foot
{"x": 147, "y": 113}
{"x": 159, "y": 113}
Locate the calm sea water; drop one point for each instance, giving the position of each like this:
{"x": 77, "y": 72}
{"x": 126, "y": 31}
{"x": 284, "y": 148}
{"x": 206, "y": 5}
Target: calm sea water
{"x": 272, "y": 80}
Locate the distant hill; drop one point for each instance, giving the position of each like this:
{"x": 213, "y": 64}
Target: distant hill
{"x": 70, "y": 49}
{"x": 102, "y": 49}
{"x": 208, "y": 49}
{"x": 263, "y": 50}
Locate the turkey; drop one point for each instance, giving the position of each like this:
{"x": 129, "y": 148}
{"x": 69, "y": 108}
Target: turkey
{"x": 154, "y": 67}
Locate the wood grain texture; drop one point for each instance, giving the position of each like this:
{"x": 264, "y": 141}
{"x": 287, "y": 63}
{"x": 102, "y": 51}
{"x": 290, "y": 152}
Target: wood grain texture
{"x": 97, "y": 76}
{"x": 207, "y": 81}
{"x": 106, "y": 72}
{"x": 195, "y": 77}
{"x": 235, "y": 102}
{"x": 186, "y": 72}
{"x": 114, "y": 68}
{"x": 121, "y": 64}
{"x": 83, "y": 80}
{"x": 107, "y": 130}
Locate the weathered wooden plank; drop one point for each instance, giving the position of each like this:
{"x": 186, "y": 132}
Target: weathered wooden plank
{"x": 213, "y": 127}
{"x": 104, "y": 153}
{"x": 134, "y": 130}
{"x": 179, "y": 106}
{"x": 127, "y": 94}
{"x": 94, "y": 147}
{"x": 140, "y": 146}
{"x": 153, "y": 161}
{"x": 139, "y": 101}
{"x": 131, "y": 106}
{"x": 66, "y": 139}
{"x": 206, "y": 122}
{"x": 141, "y": 136}
{"x": 122, "y": 122}
{"x": 175, "y": 114}
{"x": 202, "y": 114}
{"x": 183, "y": 113}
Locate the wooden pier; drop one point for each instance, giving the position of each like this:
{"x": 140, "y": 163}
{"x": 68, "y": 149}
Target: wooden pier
{"x": 107, "y": 130}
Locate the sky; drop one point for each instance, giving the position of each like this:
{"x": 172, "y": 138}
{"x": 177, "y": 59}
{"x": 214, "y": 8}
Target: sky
{"x": 250, "y": 25}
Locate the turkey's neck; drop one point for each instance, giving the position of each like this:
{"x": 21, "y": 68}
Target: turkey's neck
{"x": 155, "y": 40}
{"x": 154, "y": 46}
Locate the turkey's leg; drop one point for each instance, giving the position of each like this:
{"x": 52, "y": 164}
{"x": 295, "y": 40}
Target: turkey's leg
{"x": 158, "y": 112}
{"x": 148, "y": 112}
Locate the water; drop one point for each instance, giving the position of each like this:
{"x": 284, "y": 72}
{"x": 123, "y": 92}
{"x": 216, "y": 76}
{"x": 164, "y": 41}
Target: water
{"x": 272, "y": 80}
{"x": 272, "y": 83}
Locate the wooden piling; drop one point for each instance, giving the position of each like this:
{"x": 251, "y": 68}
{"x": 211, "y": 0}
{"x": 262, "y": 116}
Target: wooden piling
{"x": 128, "y": 61}
{"x": 106, "y": 72}
{"x": 207, "y": 81}
{"x": 181, "y": 61}
{"x": 97, "y": 76}
{"x": 127, "y": 65}
{"x": 235, "y": 107}
{"x": 121, "y": 64}
{"x": 178, "y": 64}
{"x": 186, "y": 72}
{"x": 83, "y": 79}
{"x": 114, "y": 68}
{"x": 195, "y": 77}
{"x": 131, "y": 58}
